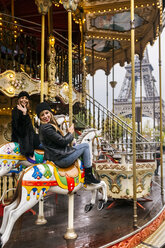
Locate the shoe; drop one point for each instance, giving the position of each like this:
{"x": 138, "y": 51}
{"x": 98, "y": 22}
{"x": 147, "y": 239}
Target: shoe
{"x": 89, "y": 177}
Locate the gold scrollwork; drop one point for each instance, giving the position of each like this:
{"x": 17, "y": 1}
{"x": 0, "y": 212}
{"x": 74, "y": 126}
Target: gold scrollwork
{"x": 115, "y": 189}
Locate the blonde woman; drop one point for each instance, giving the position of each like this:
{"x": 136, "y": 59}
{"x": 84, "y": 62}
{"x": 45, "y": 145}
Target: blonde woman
{"x": 22, "y": 128}
{"x": 56, "y": 145}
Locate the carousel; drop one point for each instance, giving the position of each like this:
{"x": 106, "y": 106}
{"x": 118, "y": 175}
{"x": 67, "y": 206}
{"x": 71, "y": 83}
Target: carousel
{"x": 47, "y": 49}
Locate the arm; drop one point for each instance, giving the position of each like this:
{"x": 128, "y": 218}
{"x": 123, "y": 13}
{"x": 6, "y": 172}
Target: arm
{"x": 49, "y": 131}
{"x": 20, "y": 122}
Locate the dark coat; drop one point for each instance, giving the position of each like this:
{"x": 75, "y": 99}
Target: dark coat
{"x": 55, "y": 145}
{"x": 23, "y": 132}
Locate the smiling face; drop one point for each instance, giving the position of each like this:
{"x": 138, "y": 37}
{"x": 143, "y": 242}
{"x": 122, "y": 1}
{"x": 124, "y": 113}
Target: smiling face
{"x": 24, "y": 101}
{"x": 45, "y": 116}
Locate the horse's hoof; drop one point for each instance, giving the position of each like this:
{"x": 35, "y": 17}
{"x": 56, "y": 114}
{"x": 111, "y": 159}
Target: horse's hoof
{"x": 100, "y": 205}
{"x": 88, "y": 207}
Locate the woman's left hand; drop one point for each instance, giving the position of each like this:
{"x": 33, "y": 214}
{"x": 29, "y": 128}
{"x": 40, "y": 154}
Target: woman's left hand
{"x": 71, "y": 129}
{"x": 22, "y": 108}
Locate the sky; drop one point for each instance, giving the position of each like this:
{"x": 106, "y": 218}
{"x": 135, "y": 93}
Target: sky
{"x": 119, "y": 74}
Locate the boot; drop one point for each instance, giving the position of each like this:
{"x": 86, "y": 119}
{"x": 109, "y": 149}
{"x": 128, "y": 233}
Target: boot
{"x": 89, "y": 177}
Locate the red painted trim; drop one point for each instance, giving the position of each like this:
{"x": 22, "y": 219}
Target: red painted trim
{"x": 140, "y": 236}
{"x": 39, "y": 183}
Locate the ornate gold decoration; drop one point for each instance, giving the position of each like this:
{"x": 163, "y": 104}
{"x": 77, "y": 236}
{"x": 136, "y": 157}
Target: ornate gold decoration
{"x": 70, "y": 5}
{"x": 115, "y": 189}
{"x": 51, "y": 69}
{"x": 11, "y": 83}
{"x": 62, "y": 91}
{"x": 43, "y": 6}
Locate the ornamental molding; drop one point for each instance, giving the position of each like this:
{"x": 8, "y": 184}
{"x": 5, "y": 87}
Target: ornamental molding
{"x": 43, "y": 6}
{"x": 12, "y": 83}
{"x": 70, "y": 5}
{"x": 62, "y": 91}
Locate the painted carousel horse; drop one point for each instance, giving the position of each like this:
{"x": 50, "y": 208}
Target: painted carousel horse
{"x": 10, "y": 156}
{"x": 92, "y": 137}
{"x": 36, "y": 181}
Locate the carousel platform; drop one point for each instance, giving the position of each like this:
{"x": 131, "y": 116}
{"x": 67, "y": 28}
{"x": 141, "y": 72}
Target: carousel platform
{"x": 111, "y": 227}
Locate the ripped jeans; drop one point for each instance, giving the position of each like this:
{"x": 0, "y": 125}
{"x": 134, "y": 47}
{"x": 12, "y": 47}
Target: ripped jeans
{"x": 80, "y": 150}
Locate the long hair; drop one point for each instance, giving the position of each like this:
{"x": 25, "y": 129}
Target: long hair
{"x": 54, "y": 123}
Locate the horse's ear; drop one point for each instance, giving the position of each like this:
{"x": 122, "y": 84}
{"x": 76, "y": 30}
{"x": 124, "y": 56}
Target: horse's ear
{"x": 36, "y": 121}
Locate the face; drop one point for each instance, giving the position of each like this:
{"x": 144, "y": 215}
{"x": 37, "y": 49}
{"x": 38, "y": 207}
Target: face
{"x": 45, "y": 116}
{"x": 24, "y": 101}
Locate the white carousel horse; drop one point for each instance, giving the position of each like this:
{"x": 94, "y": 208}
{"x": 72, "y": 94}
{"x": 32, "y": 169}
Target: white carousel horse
{"x": 92, "y": 137}
{"x": 36, "y": 181}
{"x": 63, "y": 122}
{"x": 11, "y": 158}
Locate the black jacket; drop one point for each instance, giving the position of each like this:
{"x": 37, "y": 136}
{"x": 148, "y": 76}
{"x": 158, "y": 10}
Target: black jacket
{"x": 23, "y": 132}
{"x": 55, "y": 145}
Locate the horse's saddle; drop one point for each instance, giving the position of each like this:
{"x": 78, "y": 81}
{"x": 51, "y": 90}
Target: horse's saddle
{"x": 68, "y": 178}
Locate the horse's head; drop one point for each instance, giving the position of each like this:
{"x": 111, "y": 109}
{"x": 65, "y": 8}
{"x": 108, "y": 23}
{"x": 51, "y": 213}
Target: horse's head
{"x": 63, "y": 122}
{"x": 92, "y": 137}
{"x": 8, "y": 157}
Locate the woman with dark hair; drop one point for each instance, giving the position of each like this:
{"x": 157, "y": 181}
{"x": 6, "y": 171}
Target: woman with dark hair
{"x": 22, "y": 128}
{"x": 56, "y": 145}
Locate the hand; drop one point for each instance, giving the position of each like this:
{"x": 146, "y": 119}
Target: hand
{"x": 71, "y": 129}
{"x": 22, "y": 108}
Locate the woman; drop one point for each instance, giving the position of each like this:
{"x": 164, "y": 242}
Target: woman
{"x": 56, "y": 145}
{"x": 22, "y": 128}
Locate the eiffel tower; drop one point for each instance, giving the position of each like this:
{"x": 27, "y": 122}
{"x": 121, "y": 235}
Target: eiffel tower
{"x": 151, "y": 100}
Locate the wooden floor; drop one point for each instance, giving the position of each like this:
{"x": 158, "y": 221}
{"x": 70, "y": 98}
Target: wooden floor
{"x": 95, "y": 229}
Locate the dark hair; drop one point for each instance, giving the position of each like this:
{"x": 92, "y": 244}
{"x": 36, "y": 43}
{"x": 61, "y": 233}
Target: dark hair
{"x": 41, "y": 107}
{"x": 23, "y": 93}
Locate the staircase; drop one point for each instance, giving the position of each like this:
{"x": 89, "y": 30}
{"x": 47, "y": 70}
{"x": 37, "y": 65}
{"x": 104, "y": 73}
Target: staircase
{"x": 116, "y": 133}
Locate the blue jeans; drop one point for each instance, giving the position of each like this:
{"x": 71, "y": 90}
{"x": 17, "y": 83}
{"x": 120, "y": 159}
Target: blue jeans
{"x": 80, "y": 150}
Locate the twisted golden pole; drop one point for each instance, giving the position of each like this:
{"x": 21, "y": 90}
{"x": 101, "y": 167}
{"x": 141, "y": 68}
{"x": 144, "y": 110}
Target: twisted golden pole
{"x": 133, "y": 112}
{"x": 42, "y": 57}
{"x": 70, "y": 64}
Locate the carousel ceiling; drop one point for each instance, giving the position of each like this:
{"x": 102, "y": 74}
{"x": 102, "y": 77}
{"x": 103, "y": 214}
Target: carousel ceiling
{"x": 106, "y": 26}
{"x": 108, "y": 31}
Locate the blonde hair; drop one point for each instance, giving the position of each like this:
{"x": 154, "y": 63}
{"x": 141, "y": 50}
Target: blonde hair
{"x": 53, "y": 122}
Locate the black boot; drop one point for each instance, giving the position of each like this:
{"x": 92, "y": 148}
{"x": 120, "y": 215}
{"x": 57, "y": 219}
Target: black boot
{"x": 89, "y": 178}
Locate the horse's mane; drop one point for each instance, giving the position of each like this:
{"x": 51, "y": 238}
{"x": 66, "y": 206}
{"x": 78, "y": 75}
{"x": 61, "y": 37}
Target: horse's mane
{"x": 85, "y": 133}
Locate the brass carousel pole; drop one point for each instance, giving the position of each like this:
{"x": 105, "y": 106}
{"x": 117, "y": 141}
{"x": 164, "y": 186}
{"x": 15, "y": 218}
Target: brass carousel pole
{"x": 161, "y": 136}
{"x": 70, "y": 64}
{"x": 43, "y": 7}
{"x": 83, "y": 59}
{"x": 42, "y": 57}
{"x": 69, "y": 6}
{"x": 133, "y": 112}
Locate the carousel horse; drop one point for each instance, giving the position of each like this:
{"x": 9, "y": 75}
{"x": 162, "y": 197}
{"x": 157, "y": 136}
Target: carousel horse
{"x": 93, "y": 138}
{"x": 36, "y": 181}
{"x": 62, "y": 120}
{"x": 10, "y": 157}
{"x": 12, "y": 161}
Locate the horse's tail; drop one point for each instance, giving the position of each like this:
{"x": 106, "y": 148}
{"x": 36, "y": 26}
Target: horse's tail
{"x": 18, "y": 193}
